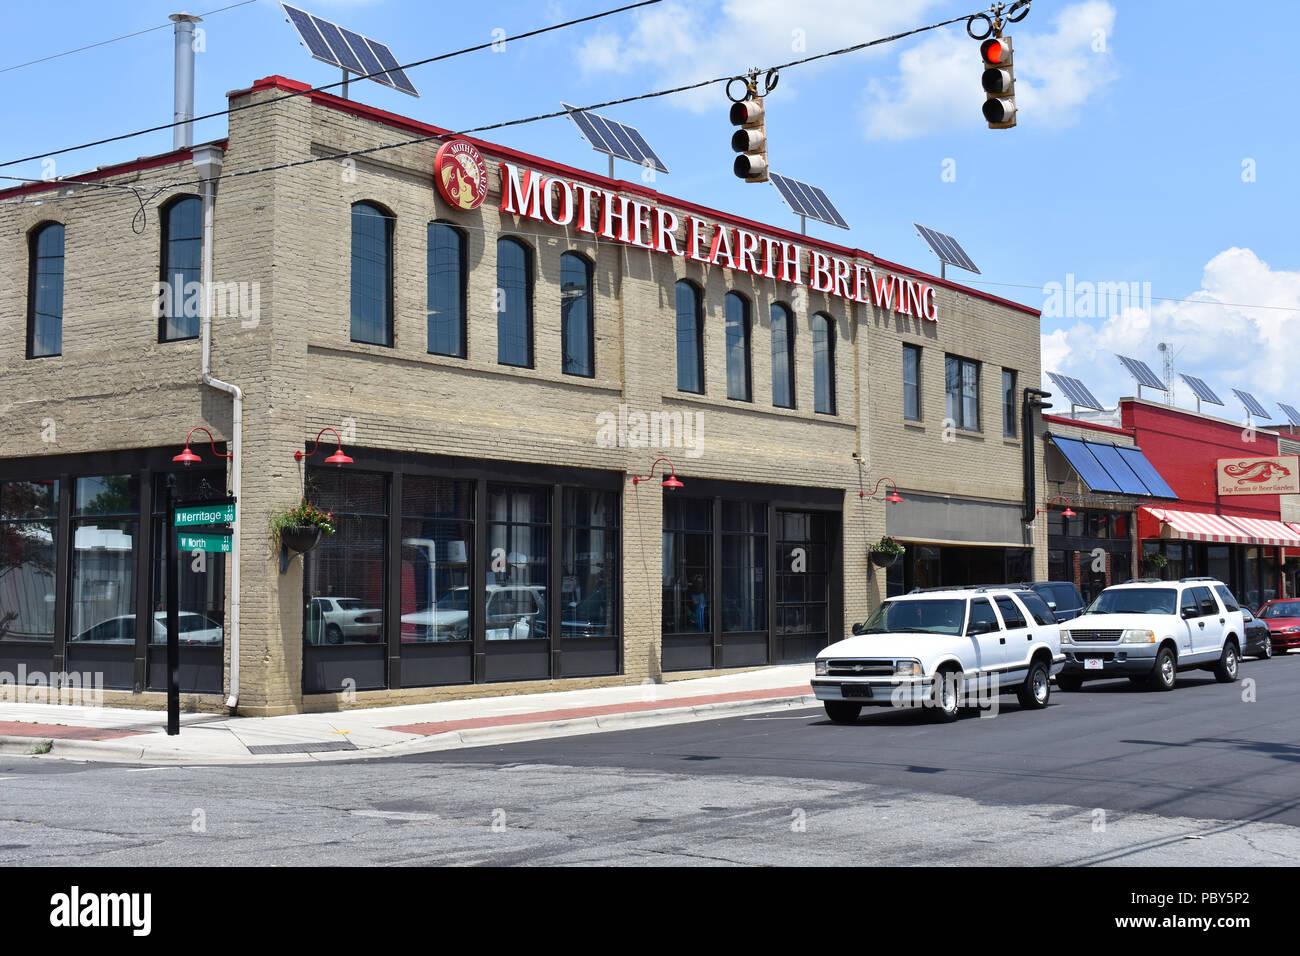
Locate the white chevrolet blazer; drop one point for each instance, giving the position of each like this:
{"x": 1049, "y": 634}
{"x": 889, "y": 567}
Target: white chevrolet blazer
{"x": 936, "y": 649}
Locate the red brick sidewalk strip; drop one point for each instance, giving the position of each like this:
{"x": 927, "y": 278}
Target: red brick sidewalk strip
{"x": 543, "y": 716}
{"x": 58, "y": 731}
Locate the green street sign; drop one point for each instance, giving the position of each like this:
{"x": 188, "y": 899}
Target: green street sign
{"x": 204, "y": 514}
{"x": 216, "y": 543}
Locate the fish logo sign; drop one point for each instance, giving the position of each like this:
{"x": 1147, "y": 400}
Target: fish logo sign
{"x": 1260, "y": 476}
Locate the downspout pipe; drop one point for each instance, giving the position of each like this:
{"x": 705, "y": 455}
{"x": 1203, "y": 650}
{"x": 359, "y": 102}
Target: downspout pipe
{"x": 207, "y": 162}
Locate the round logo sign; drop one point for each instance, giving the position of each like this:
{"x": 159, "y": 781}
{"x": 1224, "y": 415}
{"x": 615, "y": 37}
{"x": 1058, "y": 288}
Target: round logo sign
{"x": 461, "y": 174}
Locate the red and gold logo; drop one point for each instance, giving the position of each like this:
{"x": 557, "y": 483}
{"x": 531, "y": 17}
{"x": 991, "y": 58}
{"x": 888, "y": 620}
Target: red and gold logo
{"x": 461, "y": 174}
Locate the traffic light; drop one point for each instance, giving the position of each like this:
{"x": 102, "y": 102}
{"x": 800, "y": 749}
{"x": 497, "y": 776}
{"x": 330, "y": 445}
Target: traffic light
{"x": 750, "y": 140}
{"x": 999, "y": 82}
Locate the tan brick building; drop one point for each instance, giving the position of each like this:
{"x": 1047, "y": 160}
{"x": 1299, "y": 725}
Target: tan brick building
{"x": 497, "y": 377}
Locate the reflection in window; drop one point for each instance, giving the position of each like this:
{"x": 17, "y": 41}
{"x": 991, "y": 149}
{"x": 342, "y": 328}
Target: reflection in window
{"x": 104, "y": 527}
{"x": 344, "y": 576}
{"x": 518, "y": 561}
{"x": 45, "y": 292}
{"x": 372, "y": 275}
{"x": 202, "y": 595}
{"x": 738, "y": 363}
{"x": 182, "y": 255}
{"x": 28, "y": 530}
{"x": 687, "y": 574}
{"x": 912, "y": 383}
{"x": 446, "y": 290}
{"x": 514, "y": 304}
{"x": 589, "y": 579}
{"x": 576, "y": 326}
{"x": 782, "y": 357}
{"x": 962, "y": 384}
{"x": 802, "y": 581}
{"x": 690, "y": 339}
{"x": 823, "y": 330}
{"x": 744, "y": 566}
{"x": 437, "y": 548}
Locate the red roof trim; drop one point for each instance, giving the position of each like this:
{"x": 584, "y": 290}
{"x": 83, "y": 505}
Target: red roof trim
{"x": 423, "y": 129}
{"x": 1060, "y": 420}
{"x": 104, "y": 172}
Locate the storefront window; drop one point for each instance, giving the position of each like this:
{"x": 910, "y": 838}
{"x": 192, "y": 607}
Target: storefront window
{"x": 802, "y": 595}
{"x": 344, "y": 576}
{"x": 202, "y": 596}
{"x": 28, "y": 531}
{"x": 589, "y": 581}
{"x": 687, "y": 562}
{"x": 437, "y": 550}
{"x": 744, "y": 566}
{"x": 103, "y": 560}
{"x": 518, "y": 562}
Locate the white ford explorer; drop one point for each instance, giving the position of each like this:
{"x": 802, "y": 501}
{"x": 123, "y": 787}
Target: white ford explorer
{"x": 1149, "y": 630}
{"x": 930, "y": 648}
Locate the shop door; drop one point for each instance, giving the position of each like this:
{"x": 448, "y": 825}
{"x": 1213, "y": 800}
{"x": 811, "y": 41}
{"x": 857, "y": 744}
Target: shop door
{"x": 803, "y": 583}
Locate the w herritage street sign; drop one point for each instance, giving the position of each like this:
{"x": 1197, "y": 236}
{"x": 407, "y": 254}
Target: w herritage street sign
{"x": 216, "y": 513}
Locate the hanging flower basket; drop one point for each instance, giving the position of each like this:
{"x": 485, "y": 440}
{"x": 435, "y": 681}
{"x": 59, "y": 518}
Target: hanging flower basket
{"x": 301, "y": 528}
{"x": 302, "y": 538}
{"x": 1155, "y": 564}
{"x": 885, "y": 552}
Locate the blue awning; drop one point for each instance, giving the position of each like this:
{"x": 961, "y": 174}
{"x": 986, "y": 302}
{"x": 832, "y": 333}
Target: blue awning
{"x": 1114, "y": 468}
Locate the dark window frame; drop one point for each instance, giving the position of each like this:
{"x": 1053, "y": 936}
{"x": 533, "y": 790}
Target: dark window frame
{"x": 787, "y": 316}
{"x": 828, "y": 360}
{"x": 164, "y": 263}
{"x": 1009, "y": 427}
{"x": 33, "y": 283}
{"x": 463, "y": 280}
{"x": 389, "y": 223}
{"x": 959, "y": 405}
{"x": 589, "y": 268}
{"x": 914, "y": 387}
{"x": 530, "y": 286}
{"x": 747, "y": 330}
{"x": 697, "y": 295}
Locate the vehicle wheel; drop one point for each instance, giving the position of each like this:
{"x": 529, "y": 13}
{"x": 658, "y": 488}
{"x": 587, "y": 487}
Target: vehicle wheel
{"x": 333, "y": 634}
{"x": 842, "y": 712}
{"x": 1034, "y": 693}
{"x": 1070, "y": 682}
{"x": 945, "y": 699}
{"x": 1165, "y": 674}
{"x": 1225, "y": 672}
{"x": 1268, "y": 650}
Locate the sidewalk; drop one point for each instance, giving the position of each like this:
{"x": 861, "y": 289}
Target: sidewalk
{"x": 139, "y": 736}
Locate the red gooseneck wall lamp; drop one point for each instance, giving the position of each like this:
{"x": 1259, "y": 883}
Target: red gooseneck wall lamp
{"x": 188, "y": 457}
{"x": 894, "y": 499}
{"x": 671, "y": 482}
{"x": 338, "y": 458}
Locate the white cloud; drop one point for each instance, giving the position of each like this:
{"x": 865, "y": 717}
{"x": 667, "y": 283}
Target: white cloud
{"x": 937, "y": 86}
{"x": 1236, "y": 330}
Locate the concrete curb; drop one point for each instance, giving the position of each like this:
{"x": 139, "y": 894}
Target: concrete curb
{"x": 13, "y": 744}
{"x": 122, "y": 751}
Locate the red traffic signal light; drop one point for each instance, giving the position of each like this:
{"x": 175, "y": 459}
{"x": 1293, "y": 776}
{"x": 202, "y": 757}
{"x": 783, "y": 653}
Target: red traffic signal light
{"x": 750, "y": 140}
{"x": 999, "y": 83}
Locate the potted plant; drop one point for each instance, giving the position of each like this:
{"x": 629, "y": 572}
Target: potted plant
{"x": 301, "y": 527}
{"x": 885, "y": 552}
{"x": 1154, "y": 563}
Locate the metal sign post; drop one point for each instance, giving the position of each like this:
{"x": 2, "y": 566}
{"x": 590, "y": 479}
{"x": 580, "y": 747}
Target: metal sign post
{"x": 173, "y": 617}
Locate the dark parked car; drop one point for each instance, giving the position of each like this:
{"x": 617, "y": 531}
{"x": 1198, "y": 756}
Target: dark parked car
{"x": 1062, "y": 597}
{"x": 1259, "y": 639}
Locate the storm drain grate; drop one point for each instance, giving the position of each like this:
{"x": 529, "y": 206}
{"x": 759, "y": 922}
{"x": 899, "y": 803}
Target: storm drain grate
{"x": 302, "y": 748}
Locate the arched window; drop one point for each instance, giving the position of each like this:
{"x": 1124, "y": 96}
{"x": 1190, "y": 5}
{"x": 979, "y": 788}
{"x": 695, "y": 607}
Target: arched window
{"x": 372, "y": 274}
{"x": 738, "y": 348}
{"x": 577, "y": 326}
{"x": 45, "y": 291}
{"x": 823, "y": 331}
{"x": 446, "y": 295}
{"x": 182, "y": 261}
{"x": 690, "y": 339}
{"x": 514, "y": 304}
{"x": 782, "y": 356}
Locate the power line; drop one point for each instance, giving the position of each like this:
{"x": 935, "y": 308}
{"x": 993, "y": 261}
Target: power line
{"x": 125, "y": 36}
{"x": 330, "y": 86}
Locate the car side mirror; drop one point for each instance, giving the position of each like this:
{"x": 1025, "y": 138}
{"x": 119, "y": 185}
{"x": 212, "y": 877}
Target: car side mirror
{"x": 857, "y": 628}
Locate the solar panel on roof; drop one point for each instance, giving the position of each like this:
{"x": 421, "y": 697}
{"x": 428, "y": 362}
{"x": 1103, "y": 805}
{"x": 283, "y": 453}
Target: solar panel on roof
{"x": 947, "y": 248}
{"x": 1292, "y": 415}
{"x": 1142, "y": 372}
{"x": 807, "y": 200}
{"x": 337, "y": 46}
{"x": 1200, "y": 389}
{"x": 1075, "y": 391}
{"x": 1252, "y": 403}
{"x": 617, "y": 139}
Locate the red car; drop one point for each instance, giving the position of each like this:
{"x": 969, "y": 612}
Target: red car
{"x": 1283, "y": 619}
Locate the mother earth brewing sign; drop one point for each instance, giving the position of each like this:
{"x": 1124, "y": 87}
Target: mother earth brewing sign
{"x": 461, "y": 174}
{"x": 599, "y": 212}
{"x": 1279, "y": 475}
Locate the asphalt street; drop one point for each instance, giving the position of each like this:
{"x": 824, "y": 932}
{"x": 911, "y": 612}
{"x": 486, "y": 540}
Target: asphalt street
{"x": 1208, "y": 774}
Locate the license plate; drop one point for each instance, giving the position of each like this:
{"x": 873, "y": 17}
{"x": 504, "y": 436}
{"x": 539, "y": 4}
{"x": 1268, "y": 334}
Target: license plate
{"x": 1093, "y": 664}
{"x": 855, "y": 690}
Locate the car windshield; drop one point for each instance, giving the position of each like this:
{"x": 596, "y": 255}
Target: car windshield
{"x": 1135, "y": 601}
{"x": 917, "y": 617}
{"x": 1282, "y": 609}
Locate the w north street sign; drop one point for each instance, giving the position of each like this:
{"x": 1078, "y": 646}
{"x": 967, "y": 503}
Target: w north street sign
{"x": 205, "y": 514}
{"x": 217, "y": 543}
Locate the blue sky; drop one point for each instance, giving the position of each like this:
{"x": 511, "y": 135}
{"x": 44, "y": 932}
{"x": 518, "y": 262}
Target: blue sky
{"x": 1151, "y": 149}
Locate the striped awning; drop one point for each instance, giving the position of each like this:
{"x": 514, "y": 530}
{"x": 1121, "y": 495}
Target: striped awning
{"x": 1224, "y": 529}
{"x": 1267, "y": 532}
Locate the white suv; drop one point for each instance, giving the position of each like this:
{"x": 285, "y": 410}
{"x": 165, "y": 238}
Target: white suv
{"x": 1148, "y": 630}
{"x": 926, "y": 649}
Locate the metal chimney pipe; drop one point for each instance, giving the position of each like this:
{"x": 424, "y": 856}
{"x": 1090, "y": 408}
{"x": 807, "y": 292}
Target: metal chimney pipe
{"x": 183, "y": 134}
